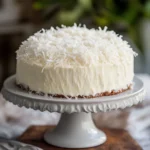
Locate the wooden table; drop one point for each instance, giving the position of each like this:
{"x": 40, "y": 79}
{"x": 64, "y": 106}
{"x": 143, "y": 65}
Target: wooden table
{"x": 117, "y": 139}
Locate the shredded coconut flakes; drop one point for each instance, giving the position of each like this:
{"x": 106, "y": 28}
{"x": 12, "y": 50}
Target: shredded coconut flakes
{"x": 76, "y": 45}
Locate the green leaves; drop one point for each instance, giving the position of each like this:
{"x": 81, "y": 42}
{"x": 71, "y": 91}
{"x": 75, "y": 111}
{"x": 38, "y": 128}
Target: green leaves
{"x": 147, "y": 9}
{"x": 100, "y": 12}
{"x": 69, "y": 17}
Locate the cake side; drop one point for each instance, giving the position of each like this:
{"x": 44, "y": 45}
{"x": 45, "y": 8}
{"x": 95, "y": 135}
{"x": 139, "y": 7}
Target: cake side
{"x": 74, "y": 82}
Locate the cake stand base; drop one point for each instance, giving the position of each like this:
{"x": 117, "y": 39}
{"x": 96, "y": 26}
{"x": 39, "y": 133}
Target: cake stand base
{"x": 75, "y": 130}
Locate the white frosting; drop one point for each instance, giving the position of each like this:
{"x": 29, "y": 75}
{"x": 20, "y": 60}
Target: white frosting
{"x": 75, "y": 81}
{"x": 75, "y": 61}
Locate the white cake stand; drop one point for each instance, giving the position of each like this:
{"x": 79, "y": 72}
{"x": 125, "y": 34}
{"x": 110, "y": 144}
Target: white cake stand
{"x": 75, "y": 128}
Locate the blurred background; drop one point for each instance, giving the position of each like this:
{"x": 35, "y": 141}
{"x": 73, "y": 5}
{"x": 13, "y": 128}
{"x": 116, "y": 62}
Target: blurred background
{"x": 21, "y": 18}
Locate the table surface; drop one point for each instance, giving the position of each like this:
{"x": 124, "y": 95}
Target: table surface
{"x": 117, "y": 139}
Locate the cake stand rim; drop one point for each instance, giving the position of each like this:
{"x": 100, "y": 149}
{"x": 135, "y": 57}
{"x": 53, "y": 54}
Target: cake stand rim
{"x": 22, "y": 98}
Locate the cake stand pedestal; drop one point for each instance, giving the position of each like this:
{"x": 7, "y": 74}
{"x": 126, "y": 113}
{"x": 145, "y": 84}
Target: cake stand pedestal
{"x": 75, "y": 128}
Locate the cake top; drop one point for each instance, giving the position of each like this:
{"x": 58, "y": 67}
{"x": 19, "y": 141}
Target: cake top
{"x": 75, "y": 46}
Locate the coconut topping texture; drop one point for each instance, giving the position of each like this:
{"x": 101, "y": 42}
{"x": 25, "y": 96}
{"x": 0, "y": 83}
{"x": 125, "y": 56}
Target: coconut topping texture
{"x": 76, "y": 45}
